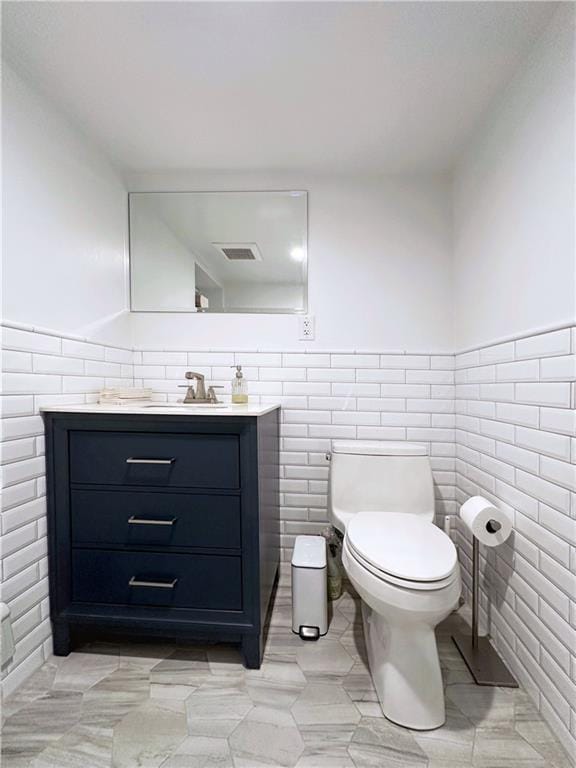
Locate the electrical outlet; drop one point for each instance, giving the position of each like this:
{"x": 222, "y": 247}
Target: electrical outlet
{"x": 306, "y": 327}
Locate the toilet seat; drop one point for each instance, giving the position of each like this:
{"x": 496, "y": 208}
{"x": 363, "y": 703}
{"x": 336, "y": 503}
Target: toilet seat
{"x": 420, "y": 586}
{"x": 403, "y": 550}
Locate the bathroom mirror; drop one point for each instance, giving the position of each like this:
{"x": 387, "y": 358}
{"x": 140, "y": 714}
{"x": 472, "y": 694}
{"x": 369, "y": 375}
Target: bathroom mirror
{"x": 218, "y": 251}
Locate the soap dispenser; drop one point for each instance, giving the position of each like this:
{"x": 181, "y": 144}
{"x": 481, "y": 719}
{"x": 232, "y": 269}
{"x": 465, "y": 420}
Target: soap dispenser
{"x": 239, "y": 387}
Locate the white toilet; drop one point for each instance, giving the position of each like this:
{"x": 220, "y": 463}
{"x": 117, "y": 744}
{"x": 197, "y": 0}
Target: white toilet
{"x": 404, "y": 568}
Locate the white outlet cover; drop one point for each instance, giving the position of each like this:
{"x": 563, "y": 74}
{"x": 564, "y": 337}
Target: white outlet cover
{"x": 306, "y": 327}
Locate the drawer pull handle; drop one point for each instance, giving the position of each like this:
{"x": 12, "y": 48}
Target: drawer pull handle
{"x": 149, "y": 461}
{"x": 143, "y": 521}
{"x": 134, "y": 582}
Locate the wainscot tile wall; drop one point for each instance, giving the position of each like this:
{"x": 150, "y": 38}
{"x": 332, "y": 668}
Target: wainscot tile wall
{"x": 516, "y": 445}
{"x": 327, "y": 396}
{"x": 38, "y": 368}
{"x": 324, "y": 396}
{"x": 502, "y": 425}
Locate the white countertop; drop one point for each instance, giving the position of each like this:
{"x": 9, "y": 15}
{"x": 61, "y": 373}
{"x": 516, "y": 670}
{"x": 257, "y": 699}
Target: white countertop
{"x": 166, "y": 409}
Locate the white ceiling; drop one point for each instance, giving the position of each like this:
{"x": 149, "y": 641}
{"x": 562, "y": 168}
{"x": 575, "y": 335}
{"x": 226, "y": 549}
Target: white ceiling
{"x": 326, "y": 86}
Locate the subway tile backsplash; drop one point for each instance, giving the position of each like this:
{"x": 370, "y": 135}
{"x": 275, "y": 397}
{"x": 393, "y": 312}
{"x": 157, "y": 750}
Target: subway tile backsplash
{"x": 328, "y": 396}
{"x": 499, "y": 421}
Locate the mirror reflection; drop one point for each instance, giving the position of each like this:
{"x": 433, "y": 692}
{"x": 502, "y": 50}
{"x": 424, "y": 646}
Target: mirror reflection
{"x": 218, "y": 251}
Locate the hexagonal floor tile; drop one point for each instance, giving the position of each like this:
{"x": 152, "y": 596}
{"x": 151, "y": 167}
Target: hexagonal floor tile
{"x": 452, "y": 744}
{"x": 148, "y": 735}
{"x": 483, "y": 705}
{"x": 226, "y": 660}
{"x": 83, "y": 745}
{"x": 328, "y": 704}
{"x": 326, "y": 657}
{"x": 216, "y": 708}
{"x": 327, "y": 757}
{"x": 107, "y": 702}
{"x": 187, "y": 667}
{"x": 505, "y": 748}
{"x": 276, "y": 684}
{"x": 39, "y": 724}
{"x": 201, "y": 752}
{"x": 377, "y": 742}
{"x": 267, "y": 736}
{"x": 80, "y": 671}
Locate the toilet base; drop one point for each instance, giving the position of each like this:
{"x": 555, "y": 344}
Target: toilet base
{"x": 406, "y": 671}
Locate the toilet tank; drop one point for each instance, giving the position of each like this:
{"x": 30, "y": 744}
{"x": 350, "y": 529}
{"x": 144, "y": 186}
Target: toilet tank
{"x": 379, "y": 476}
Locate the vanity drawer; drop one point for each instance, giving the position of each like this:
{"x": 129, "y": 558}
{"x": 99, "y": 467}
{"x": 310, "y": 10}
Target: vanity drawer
{"x": 155, "y": 518}
{"x": 158, "y": 459}
{"x": 211, "y": 582}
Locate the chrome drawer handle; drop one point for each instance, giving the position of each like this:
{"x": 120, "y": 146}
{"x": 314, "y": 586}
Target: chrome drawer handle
{"x": 150, "y": 461}
{"x": 134, "y": 582}
{"x": 142, "y": 521}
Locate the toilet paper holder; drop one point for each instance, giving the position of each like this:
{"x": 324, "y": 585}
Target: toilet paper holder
{"x": 484, "y": 664}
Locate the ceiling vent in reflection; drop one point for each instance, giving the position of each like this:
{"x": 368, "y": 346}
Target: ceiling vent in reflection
{"x": 239, "y": 251}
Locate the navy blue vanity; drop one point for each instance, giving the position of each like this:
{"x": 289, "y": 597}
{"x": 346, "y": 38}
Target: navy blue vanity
{"x": 163, "y": 523}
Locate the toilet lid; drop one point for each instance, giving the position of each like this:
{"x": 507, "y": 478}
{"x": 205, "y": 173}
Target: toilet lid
{"x": 402, "y": 545}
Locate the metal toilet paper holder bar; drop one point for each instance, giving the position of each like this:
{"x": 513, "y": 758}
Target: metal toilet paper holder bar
{"x": 485, "y": 666}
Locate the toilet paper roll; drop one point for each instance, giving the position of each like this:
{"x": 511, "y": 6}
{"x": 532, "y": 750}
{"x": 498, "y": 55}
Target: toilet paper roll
{"x": 488, "y": 523}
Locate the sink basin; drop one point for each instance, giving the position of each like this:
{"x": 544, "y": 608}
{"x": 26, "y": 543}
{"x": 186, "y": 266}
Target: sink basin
{"x": 188, "y": 406}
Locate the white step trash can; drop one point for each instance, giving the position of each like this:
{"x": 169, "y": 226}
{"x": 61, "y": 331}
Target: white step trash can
{"x": 309, "y": 587}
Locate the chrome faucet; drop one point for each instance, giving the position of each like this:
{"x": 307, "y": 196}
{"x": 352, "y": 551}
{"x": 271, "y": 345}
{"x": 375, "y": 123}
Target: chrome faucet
{"x": 199, "y": 394}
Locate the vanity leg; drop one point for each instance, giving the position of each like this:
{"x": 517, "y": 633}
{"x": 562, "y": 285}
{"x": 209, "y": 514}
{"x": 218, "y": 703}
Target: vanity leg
{"x": 61, "y": 638}
{"x": 251, "y": 650}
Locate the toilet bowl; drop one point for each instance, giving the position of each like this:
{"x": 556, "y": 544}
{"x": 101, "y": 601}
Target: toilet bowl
{"x": 404, "y": 568}
{"x": 400, "y": 615}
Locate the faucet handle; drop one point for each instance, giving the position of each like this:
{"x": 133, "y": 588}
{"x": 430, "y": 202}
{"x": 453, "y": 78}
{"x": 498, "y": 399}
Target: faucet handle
{"x": 212, "y": 395}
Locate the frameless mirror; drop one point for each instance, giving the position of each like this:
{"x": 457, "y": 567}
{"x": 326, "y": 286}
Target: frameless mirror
{"x": 218, "y": 251}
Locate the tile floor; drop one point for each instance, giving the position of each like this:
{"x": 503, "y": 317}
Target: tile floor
{"x": 311, "y": 705}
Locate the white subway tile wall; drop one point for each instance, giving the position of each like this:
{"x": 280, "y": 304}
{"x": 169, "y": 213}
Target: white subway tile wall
{"x": 503, "y": 424}
{"x": 38, "y": 368}
{"x": 516, "y": 445}
{"x": 327, "y": 396}
{"x": 324, "y": 396}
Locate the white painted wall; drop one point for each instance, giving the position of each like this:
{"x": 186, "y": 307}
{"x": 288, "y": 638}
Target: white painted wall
{"x": 64, "y": 222}
{"x": 514, "y": 202}
{"x": 379, "y": 266}
{"x": 379, "y": 248}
